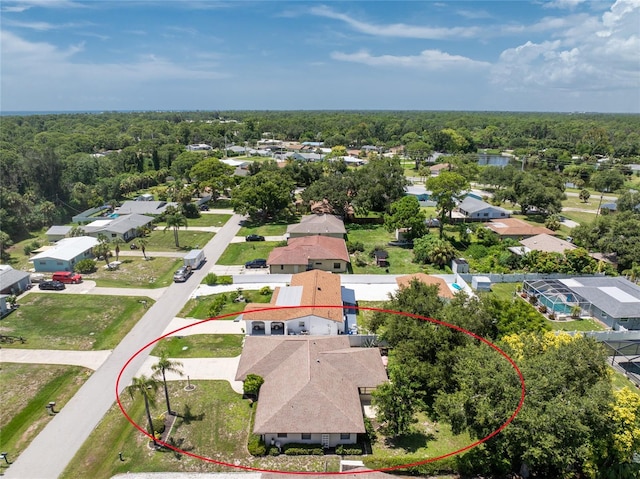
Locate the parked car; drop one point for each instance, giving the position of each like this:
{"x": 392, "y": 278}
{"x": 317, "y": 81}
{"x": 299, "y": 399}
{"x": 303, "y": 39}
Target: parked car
{"x": 204, "y": 207}
{"x": 255, "y": 238}
{"x": 256, "y": 263}
{"x": 401, "y": 243}
{"x": 67, "y": 277}
{"x": 182, "y": 274}
{"x": 51, "y": 285}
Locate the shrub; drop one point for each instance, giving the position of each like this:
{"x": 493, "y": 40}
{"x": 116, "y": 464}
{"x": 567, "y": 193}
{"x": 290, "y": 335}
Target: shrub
{"x": 158, "y": 425}
{"x": 210, "y": 279}
{"x": 252, "y": 384}
{"x": 348, "y": 450}
{"x": 442, "y": 466}
{"x": 265, "y": 290}
{"x": 225, "y": 279}
{"x": 85, "y": 266}
{"x": 218, "y": 303}
{"x": 370, "y": 430}
{"x": 31, "y": 247}
{"x": 274, "y": 451}
{"x": 256, "y": 445}
{"x": 299, "y": 449}
{"x": 354, "y": 246}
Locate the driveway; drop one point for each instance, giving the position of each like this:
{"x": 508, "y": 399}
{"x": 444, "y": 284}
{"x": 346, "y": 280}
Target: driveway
{"x": 89, "y": 287}
{"x": 88, "y": 359}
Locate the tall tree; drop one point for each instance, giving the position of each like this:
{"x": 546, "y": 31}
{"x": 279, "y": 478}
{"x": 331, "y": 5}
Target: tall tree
{"x": 406, "y": 214}
{"x": 175, "y": 219}
{"x": 263, "y": 195}
{"x": 102, "y": 249}
{"x": 445, "y": 189}
{"x": 147, "y": 388}
{"x": 160, "y": 369}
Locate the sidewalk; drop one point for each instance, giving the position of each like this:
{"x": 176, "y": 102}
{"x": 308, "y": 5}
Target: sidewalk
{"x": 88, "y": 359}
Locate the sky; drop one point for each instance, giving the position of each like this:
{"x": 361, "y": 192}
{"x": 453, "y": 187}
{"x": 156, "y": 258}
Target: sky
{"x": 555, "y": 55}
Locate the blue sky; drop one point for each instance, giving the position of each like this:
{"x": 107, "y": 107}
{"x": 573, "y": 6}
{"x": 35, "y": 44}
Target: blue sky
{"x": 557, "y": 55}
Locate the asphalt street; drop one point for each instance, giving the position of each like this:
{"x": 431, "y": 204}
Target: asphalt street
{"x": 51, "y": 451}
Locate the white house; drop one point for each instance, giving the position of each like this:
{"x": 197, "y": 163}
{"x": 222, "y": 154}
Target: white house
{"x": 473, "y": 208}
{"x": 124, "y": 227}
{"x": 64, "y": 255}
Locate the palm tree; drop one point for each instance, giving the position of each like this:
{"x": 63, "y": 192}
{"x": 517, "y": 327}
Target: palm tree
{"x": 633, "y": 273}
{"x": 160, "y": 369}
{"x": 142, "y": 244}
{"x": 147, "y": 387}
{"x": 175, "y": 219}
{"x": 117, "y": 241}
{"x": 102, "y": 248}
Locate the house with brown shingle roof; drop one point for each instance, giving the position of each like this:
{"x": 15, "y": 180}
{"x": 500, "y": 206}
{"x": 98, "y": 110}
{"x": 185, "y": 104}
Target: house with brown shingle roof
{"x": 547, "y": 243}
{"x": 313, "y": 387}
{"x": 309, "y": 252}
{"x": 322, "y": 225}
{"x": 443, "y": 289}
{"x": 321, "y": 295}
{"x": 515, "y": 228}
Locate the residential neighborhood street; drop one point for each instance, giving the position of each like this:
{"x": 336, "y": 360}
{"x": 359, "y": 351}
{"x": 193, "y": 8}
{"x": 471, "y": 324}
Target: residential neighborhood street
{"x": 50, "y": 452}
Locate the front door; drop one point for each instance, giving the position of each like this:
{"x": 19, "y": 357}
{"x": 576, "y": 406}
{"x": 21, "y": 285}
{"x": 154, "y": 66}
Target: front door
{"x": 325, "y": 440}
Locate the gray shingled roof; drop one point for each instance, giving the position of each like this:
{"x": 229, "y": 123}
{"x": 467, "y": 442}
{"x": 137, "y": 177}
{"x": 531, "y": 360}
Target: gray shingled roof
{"x": 10, "y": 276}
{"x": 472, "y": 205}
{"x": 616, "y": 296}
{"x": 318, "y": 224}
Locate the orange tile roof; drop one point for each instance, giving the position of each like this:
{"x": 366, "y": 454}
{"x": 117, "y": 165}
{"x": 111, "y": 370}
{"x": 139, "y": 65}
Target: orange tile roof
{"x": 443, "y": 289}
{"x": 516, "y": 227}
{"x": 309, "y": 248}
{"x": 318, "y": 288}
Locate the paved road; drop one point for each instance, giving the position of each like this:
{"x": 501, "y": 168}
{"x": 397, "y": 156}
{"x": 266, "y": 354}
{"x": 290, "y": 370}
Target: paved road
{"x": 50, "y": 452}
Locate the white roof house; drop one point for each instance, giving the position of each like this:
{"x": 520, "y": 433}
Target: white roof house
{"x": 64, "y": 254}
{"x": 473, "y": 208}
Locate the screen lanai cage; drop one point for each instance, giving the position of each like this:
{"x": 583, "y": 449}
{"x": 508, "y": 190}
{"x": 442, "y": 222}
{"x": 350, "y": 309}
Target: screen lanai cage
{"x": 556, "y": 296}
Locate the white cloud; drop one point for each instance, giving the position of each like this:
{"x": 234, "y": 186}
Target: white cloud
{"x": 18, "y": 6}
{"x": 571, "y": 4}
{"x": 399, "y": 30}
{"x": 426, "y": 60}
{"x": 591, "y": 54}
{"x": 43, "y": 26}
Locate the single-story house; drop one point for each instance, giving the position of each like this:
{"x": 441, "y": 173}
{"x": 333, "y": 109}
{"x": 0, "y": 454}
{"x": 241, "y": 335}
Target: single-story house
{"x": 310, "y": 157}
{"x": 13, "y": 281}
{"x": 309, "y": 288}
{"x": 199, "y": 147}
{"x": 610, "y": 207}
{"x": 314, "y": 387}
{"x": 542, "y": 242}
{"x": 56, "y": 233}
{"x": 143, "y": 207}
{"x": 64, "y": 255}
{"x": 310, "y": 252}
{"x": 124, "y": 227}
{"x": 443, "y": 289}
{"x": 613, "y": 300}
{"x": 420, "y": 192}
{"x": 323, "y": 225}
{"x": 516, "y": 229}
{"x": 474, "y": 209}
{"x": 436, "y": 169}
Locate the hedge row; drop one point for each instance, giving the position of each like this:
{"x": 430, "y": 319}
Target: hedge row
{"x": 301, "y": 449}
{"x": 349, "y": 450}
{"x": 442, "y": 466}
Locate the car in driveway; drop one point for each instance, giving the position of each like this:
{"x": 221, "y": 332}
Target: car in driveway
{"x": 254, "y": 238}
{"x": 256, "y": 263}
{"x": 51, "y": 285}
{"x": 182, "y": 274}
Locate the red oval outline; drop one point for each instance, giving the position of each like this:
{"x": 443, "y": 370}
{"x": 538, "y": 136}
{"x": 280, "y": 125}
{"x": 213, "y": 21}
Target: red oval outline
{"x": 355, "y": 308}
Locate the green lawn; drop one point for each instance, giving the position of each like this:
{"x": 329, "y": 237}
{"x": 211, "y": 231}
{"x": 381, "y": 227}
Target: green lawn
{"x": 26, "y": 390}
{"x": 240, "y": 253}
{"x": 576, "y": 325}
{"x": 579, "y": 216}
{"x": 619, "y": 381}
{"x": 136, "y": 272}
{"x": 270, "y": 229}
{"x": 198, "y": 308}
{"x": 504, "y": 291}
{"x": 201, "y": 346}
{"x": 163, "y": 240}
{"x": 71, "y": 321}
{"x": 206, "y": 219}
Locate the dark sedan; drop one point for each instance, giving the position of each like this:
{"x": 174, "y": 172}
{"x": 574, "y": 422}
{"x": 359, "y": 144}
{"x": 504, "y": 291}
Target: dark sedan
{"x": 255, "y": 238}
{"x": 51, "y": 285}
{"x": 256, "y": 263}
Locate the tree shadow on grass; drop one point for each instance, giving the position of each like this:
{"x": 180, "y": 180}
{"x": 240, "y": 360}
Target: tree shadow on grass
{"x": 187, "y": 416}
{"x": 412, "y": 441}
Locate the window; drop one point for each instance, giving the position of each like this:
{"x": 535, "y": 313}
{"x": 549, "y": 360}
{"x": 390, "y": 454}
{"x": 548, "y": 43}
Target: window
{"x": 301, "y": 324}
{"x": 485, "y": 215}
{"x": 281, "y": 266}
{"x": 345, "y": 435}
{"x": 318, "y": 263}
{"x": 282, "y": 434}
{"x": 306, "y": 436}
{"x": 336, "y": 265}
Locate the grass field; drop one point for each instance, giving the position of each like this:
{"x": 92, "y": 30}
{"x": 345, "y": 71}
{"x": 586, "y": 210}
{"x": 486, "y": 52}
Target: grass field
{"x": 206, "y": 219}
{"x": 240, "y": 253}
{"x": 71, "y": 321}
{"x": 271, "y": 229}
{"x": 199, "y": 307}
{"x": 26, "y": 390}
{"x": 136, "y": 272}
{"x": 163, "y": 240}
{"x": 577, "y": 325}
{"x": 504, "y": 291}
{"x": 215, "y": 424}
{"x": 201, "y": 346}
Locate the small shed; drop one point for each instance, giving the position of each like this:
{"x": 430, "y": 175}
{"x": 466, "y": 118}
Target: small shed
{"x": 382, "y": 258}
{"x": 459, "y": 266}
{"x": 56, "y": 232}
{"x": 481, "y": 283}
